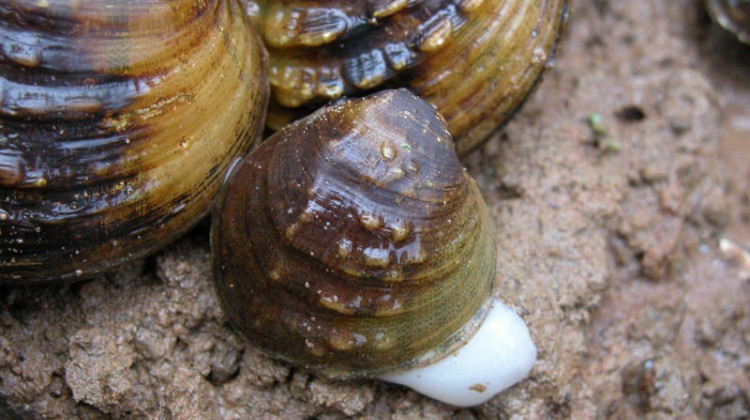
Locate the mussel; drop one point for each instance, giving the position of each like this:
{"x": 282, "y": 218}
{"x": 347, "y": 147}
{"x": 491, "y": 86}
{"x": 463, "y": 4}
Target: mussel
{"x": 352, "y": 243}
{"x": 474, "y": 60}
{"x": 732, "y": 15}
{"x": 118, "y": 121}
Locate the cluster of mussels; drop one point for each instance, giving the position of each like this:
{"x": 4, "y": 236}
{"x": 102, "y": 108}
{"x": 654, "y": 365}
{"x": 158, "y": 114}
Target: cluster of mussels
{"x": 352, "y": 242}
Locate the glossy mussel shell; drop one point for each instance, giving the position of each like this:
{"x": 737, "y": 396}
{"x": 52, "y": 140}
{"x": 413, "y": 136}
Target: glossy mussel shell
{"x": 118, "y": 120}
{"x": 353, "y": 242}
{"x": 732, "y": 15}
{"x": 474, "y": 60}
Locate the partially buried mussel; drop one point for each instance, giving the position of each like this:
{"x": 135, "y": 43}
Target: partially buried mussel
{"x": 353, "y": 243}
{"x": 732, "y": 15}
{"x": 474, "y": 60}
{"x": 118, "y": 121}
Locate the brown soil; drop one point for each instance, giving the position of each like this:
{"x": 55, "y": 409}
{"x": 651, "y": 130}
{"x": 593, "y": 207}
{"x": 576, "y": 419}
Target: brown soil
{"x": 608, "y": 247}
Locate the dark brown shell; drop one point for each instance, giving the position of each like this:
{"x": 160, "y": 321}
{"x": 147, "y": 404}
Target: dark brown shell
{"x": 474, "y": 60}
{"x": 353, "y": 241}
{"x": 117, "y": 125}
{"x": 732, "y": 15}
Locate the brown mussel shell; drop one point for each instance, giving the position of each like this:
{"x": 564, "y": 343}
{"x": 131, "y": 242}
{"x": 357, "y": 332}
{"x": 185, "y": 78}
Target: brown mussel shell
{"x": 118, "y": 121}
{"x": 352, "y": 242}
{"x": 474, "y": 60}
{"x": 732, "y": 15}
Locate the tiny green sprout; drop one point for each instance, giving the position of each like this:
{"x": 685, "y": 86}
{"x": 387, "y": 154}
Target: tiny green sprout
{"x": 611, "y": 145}
{"x": 595, "y": 122}
{"x": 606, "y": 143}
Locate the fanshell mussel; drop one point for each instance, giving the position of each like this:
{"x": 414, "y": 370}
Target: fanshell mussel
{"x": 353, "y": 243}
{"x": 732, "y": 15}
{"x": 118, "y": 121}
{"x": 474, "y": 60}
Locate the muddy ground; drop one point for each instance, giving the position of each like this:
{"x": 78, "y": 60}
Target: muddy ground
{"x": 608, "y": 238}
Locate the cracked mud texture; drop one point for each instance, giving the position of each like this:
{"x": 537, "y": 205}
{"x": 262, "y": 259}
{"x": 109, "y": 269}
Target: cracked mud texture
{"x": 610, "y": 191}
